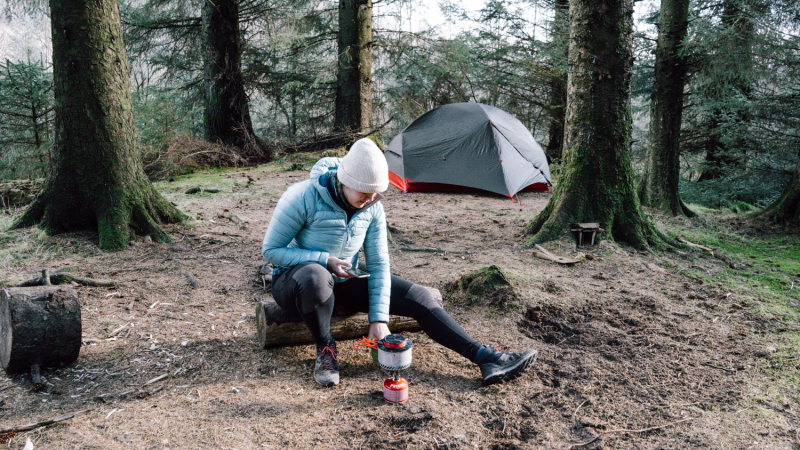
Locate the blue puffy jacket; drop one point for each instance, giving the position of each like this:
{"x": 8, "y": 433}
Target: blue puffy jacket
{"x": 307, "y": 225}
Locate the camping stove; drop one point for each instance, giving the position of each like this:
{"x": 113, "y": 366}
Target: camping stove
{"x": 394, "y": 356}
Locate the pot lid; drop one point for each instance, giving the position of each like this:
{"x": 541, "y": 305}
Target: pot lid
{"x": 395, "y": 343}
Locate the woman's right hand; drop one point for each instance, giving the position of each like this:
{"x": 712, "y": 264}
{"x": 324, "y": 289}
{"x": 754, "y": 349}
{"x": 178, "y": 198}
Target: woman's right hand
{"x": 334, "y": 267}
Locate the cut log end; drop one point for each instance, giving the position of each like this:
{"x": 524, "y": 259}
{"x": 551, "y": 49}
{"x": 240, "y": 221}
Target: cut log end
{"x": 39, "y": 326}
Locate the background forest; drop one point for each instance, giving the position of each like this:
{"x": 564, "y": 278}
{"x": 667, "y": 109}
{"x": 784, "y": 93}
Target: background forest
{"x": 739, "y": 131}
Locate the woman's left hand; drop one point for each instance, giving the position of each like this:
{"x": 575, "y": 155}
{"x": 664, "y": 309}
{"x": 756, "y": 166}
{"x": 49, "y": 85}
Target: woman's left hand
{"x": 378, "y": 330}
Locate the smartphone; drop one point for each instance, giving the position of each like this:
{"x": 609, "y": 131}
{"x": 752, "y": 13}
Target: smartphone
{"x": 356, "y": 272}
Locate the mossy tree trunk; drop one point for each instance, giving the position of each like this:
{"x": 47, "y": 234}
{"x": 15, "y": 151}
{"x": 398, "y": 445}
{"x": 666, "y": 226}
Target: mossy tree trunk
{"x": 354, "y": 75}
{"x": 597, "y": 184}
{"x": 226, "y": 118}
{"x": 96, "y": 181}
{"x": 660, "y": 183}
{"x": 558, "y": 84}
{"x": 787, "y": 207}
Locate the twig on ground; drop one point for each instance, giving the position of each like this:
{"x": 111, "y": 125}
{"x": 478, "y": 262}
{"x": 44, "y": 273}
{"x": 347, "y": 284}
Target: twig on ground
{"x": 691, "y": 244}
{"x": 777, "y": 408}
{"x": 43, "y": 423}
{"x": 579, "y": 407}
{"x": 644, "y": 430}
{"x": 156, "y": 379}
{"x": 431, "y": 250}
{"x": 719, "y": 367}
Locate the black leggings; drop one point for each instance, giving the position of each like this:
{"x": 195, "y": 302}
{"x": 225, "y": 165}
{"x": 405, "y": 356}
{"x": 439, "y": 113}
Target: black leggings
{"x": 309, "y": 290}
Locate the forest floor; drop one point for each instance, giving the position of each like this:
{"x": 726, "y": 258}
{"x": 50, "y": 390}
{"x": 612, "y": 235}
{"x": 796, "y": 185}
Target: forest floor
{"x": 647, "y": 350}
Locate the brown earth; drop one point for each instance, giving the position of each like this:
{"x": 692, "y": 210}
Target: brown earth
{"x": 625, "y": 343}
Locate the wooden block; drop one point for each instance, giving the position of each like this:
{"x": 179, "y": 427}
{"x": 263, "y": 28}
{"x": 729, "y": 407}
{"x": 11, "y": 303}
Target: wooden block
{"x": 276, "y": 327}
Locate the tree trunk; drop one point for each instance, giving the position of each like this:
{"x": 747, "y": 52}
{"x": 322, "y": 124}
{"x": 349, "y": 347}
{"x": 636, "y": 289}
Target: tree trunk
{"x": 727, "y": 141}
{"x": 226, "y": 119}
{"x": 96, "y": 181}
{"x": 597, "y": 184}
{"x": 354, "y": 76}
{"x": 787, "y": 207}
{"x": 39, "y": 325}
{"x": 558, "y": 84}
{"x": 660, "y": 184}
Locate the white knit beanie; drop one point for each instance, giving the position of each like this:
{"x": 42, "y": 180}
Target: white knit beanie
{"x": 364, "y": 168}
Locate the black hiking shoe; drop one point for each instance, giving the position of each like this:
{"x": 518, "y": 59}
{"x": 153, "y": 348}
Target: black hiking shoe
{"x": 326, "y": 369}
{"x": 498, "y": 366}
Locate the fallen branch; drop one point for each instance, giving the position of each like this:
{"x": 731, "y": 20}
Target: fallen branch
{"x": 644, "y": 430}
{"x": 431, "y": 250}
{"x": 777, "y": 408}
{"x": 333, "y": 140}
{"x": 43, "y": 423}
{"x": 540, "y": 252}
{"x": 197, "y": 189}
{"x": 691, "y": 244}
{"x": 156, "y": 379}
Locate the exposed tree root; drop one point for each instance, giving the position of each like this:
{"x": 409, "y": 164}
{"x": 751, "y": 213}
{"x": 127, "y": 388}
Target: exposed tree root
{"x": 62, "y": 276}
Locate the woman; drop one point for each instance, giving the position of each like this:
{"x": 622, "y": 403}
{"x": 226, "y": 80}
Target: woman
{"x": 316, "y": 231}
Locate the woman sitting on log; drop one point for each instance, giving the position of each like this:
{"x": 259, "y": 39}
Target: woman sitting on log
{"x": 316, "y": 231}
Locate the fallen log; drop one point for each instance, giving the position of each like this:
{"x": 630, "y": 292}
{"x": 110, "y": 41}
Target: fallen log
{"x": 39, "y": 326}
{"x": 276, "y": 327}
{"x": 44, "y": 423}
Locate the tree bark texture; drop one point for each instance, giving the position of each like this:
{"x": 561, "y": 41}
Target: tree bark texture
{"x": 96, "y": 181}
{"x": 354, "y": 75}
{"x": 226, "y": 119}
{"x": 39, "y": 325}
{"x": 276, "y": 328}
{"x": 597, "y": 184}
{"x": 558, "y": 82}
{"x": 787, "y": 207}
{"x": 660, "y": 183}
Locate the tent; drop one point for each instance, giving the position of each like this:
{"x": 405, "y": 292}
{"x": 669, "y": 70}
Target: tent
{"x": 466, "y": 146}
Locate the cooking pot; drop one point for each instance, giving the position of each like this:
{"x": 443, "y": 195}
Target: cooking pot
{"x": 394, "y": 351}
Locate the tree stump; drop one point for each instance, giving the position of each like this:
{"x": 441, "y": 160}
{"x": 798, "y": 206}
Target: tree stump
{"x": 39, "y": 326}
{"x": 276, "y": 327}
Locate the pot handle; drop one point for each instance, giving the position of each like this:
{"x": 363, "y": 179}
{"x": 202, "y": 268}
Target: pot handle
{"x": 364, "y": 342}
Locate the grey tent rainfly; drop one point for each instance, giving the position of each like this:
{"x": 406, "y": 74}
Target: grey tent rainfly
{"x": 467, "y": 146}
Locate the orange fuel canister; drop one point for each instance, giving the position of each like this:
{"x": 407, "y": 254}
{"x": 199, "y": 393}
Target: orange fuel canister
{"x": 395, "y": 391}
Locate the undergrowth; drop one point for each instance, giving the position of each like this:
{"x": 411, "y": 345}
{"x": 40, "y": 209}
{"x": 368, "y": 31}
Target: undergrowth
{"x": 760, "y": 265}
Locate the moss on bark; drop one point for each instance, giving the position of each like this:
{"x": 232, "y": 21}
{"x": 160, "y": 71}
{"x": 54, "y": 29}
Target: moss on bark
{"x": 96, "y": 181}
{"x": 597, "y": 184}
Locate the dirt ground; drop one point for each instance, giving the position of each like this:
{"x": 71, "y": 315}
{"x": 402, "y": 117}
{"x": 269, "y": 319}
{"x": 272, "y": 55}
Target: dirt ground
{"x": 625, "y": 342}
